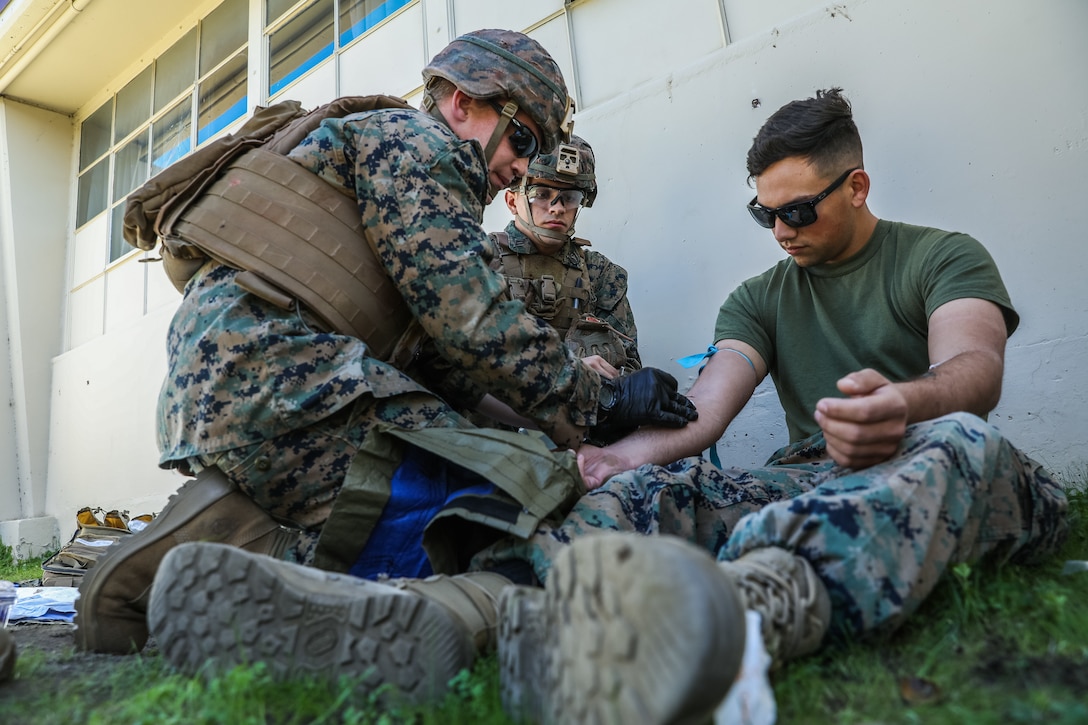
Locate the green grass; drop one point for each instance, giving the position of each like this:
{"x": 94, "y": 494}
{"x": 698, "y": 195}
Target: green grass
{"x": 250, "y": 695}
{"x": 996, "y": 646}
{"x": 20, "y": 571}
{"x": 1008, "y": 646}
{"x": 144, "y": 690}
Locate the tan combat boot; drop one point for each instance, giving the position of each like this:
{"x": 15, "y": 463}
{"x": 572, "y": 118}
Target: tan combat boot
{"x": 792, "y": 601}
{"x": 215, "y": 606}
{"x": 112, "y": 604}
{"x": 629, "y": 629}
{"x": 472, "y": 598}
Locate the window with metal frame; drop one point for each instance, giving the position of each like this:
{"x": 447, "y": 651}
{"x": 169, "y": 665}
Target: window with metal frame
{"x": 301, "y": 36}
{"x": 189, "y": 94}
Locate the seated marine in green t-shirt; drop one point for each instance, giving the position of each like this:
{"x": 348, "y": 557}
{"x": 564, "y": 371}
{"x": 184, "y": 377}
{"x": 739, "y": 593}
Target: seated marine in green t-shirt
{"x": 886, "y": 345}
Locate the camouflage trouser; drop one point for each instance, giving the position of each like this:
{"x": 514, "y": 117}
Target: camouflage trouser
{"x": 879, "y": 538}
{"x": 296, "y": 477}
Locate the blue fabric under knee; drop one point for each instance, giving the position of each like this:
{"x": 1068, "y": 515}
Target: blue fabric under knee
{"x": 422, "y": 485}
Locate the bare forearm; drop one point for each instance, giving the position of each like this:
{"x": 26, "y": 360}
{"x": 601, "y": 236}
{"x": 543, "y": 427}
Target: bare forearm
{"x": 970, "y": 382}
{"x": 966, "y": 351}
{"x": 719, "y": 394}
{"x": 665, "y": 445}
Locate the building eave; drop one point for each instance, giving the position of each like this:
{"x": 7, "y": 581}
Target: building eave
{"x": 60, "y": 55}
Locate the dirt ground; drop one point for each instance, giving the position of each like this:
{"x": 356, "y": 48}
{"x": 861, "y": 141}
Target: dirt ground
{"x": 53, "y": 648}
{"x": 55, "y": 640}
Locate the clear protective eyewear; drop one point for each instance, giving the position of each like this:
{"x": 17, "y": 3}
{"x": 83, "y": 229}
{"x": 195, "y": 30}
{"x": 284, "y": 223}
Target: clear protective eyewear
{"x": 544, "y": 197}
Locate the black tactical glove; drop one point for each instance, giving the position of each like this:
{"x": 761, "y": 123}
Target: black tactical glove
{"x": 645, "y": 397}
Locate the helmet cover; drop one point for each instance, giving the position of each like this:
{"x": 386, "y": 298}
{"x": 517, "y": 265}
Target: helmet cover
{"x": 510, "y": 65}
{"x": 570, "y": 163}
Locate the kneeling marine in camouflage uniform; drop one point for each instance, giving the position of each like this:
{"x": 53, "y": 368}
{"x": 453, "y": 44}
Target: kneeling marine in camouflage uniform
{"x": 292, "y": 422}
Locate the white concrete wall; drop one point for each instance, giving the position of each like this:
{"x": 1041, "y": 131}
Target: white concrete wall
{"x": 34, "y": 222}
{"x": 103, "y": 451}
{"x": 973, "y": 115}
{"x": 10, "y": 506}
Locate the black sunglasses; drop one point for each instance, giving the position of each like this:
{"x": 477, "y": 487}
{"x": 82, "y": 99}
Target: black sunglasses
{"x": 522, "y": 140}
{"x": 800, "y": 214}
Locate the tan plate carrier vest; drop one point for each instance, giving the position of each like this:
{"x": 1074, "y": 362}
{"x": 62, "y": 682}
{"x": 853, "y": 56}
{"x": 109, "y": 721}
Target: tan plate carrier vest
{"x": 563, "y": 296}
{"x": 550, "y": 290}
{"x": 297, "y": 238}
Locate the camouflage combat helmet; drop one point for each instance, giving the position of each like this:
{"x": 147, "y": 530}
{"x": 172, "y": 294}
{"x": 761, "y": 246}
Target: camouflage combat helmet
{"x": 507, "y": 64}
{"x": 570, "y": 163}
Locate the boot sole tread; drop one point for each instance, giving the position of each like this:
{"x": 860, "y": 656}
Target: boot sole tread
{"x": 214, "y": 607}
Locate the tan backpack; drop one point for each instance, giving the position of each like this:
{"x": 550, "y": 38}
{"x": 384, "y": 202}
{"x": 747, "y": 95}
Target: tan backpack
{"x": 92, "y": 538}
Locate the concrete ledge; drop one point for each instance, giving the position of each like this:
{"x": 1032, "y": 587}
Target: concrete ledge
{"x": 29, "y": 538}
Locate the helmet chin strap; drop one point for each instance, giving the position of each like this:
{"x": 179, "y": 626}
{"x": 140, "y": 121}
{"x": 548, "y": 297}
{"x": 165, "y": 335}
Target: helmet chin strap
{"x": 430, "y": 106}
{"x": 548, "y": 240}
{"x": 508, "y": 111}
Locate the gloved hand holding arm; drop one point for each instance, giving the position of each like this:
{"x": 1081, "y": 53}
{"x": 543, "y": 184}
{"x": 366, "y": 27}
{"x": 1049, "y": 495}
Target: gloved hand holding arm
{"x": 646, "y": 397}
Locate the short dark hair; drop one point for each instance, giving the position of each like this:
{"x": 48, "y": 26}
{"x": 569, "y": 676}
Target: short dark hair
{"x": 439, "y": 88}
{"x": 819, "y": 129}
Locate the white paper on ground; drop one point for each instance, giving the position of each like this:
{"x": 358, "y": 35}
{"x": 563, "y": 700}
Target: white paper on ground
{"x": 751, "y": 699}
{"x": 44, "y": 604}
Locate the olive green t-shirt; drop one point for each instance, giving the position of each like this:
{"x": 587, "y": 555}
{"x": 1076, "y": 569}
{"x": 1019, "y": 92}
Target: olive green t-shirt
{"x": 813, "y": 325}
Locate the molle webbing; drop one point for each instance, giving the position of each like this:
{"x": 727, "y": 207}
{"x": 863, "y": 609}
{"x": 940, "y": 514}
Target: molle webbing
{"x": 546, "y": 285}
{"x": 298, "y": 237}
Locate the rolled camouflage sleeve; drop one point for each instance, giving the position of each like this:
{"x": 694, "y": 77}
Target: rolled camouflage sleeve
{"x": 421, "y": 192}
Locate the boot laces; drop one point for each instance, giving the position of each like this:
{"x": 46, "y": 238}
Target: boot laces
{"x": 786, "y": 598}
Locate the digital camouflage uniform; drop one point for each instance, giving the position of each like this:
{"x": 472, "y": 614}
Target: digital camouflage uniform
{"x": 604, "y": 283}
{"x": 879, "y": 538}
{"x": 282, "y": 407}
